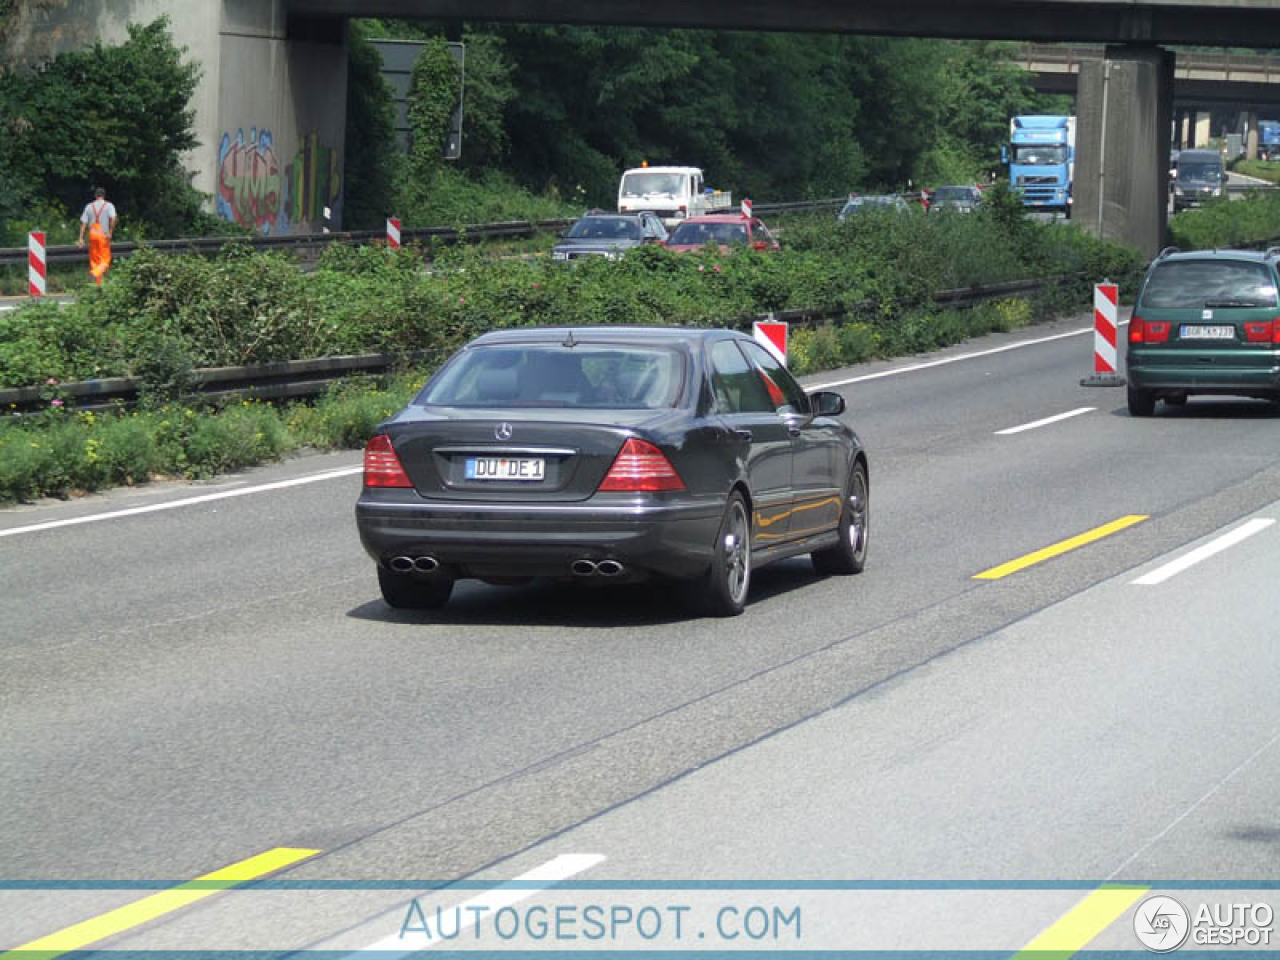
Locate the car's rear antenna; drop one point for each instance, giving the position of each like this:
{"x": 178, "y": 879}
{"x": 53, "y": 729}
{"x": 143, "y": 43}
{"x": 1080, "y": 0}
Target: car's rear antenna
{"x": 569, "y": 341}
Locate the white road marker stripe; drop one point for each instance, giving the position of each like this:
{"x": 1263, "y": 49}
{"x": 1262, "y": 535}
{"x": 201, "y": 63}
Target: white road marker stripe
{"x": 956, "y": 359}
{"x": 1204, "y": 552}
{"x": 548, "y": 875}
{"x": 1045, "y": 422}
{"x": 187, "y": 502}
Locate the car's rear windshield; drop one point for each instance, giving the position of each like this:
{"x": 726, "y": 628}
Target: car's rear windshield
{"x": 1210, "y": 172}
{"x": 700, "y": 233}
{"x": 591, "y": 375}
{"x": 1197, "y": 283}
{"x": 953, "y": 195}
{"x": 606, "y": 228}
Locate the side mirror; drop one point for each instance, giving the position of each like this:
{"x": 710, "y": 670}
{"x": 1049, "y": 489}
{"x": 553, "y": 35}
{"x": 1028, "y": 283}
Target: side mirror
{"x": 1004, "y": 154}
{"x": 759, "y": 245}
{"x": 827, "y": 403}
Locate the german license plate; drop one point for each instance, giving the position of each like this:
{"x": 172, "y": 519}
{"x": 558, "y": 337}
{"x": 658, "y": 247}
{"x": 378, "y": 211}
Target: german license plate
{"x": 506, "y": 468}
{"x": 1199, "y": 332}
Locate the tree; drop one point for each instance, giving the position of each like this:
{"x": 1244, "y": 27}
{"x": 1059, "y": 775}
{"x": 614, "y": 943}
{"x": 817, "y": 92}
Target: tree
{"x": 116, "y": 116}
{"x": 370, "y": 150}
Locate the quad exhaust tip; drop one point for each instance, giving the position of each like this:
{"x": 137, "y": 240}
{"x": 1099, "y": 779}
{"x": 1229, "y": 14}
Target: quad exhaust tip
{"x": 583, "y": 568}
{"x": 609, "y": 568}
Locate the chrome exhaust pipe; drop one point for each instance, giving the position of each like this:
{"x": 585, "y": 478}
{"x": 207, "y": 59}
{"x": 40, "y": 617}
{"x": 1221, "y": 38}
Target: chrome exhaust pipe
{"x": 400, "y": 564}
{"x": 583, "y": 568}
{"x": 425, "y": 564}
{"x": 609, "y": 568}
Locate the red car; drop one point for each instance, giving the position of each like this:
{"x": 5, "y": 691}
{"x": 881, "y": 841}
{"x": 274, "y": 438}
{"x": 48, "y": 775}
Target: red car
{"x": 724, "y": 230}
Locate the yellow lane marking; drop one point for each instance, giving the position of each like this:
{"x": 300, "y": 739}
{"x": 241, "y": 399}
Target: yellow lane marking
{"x": 1089, "y": 536}
{"x": 134, "y": 914}
{"x": 1076, "y": 928}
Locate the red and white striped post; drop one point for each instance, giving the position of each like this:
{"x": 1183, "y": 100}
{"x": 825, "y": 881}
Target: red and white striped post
{"x": 1106, "y": 317}
{"x": 393, "y": 233}
{"x": 36, "y": 268}
{"x": 772, "y": 335}
{"x": 746, "y": 209}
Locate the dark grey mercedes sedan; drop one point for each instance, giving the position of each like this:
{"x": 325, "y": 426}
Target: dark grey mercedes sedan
{"x": 611, "y": 454}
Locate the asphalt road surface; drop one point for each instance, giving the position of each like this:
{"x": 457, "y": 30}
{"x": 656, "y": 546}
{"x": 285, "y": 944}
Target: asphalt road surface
{"x": 191, "y": 675}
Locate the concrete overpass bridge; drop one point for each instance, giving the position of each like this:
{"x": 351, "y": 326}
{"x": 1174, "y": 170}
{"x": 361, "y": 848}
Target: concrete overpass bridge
{"x": 270, "y": 111}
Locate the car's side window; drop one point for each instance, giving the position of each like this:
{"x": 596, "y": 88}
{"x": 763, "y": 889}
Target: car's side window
{"x": 787, "y": 395}
{"x": 736, "y": 384}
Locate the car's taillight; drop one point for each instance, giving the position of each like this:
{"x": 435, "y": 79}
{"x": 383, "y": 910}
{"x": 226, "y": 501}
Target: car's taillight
{"x": 640, "y": 466}
{"x": 1135, "y": 329}
{"x": 1260, "y": 331}
{"x": 683, "y": 208}
{"x": 1154, "y": 331}
{"x": 382, "y": 468}
{"x": 1275, "y": 329}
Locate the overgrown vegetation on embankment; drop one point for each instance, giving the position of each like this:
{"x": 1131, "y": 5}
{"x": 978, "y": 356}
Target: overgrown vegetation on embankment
{"x": 1228, "y": 222}
{"x": 159, "y": 317}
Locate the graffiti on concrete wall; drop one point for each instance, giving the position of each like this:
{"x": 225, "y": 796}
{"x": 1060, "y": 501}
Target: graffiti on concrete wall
{"x": 249, "y": 180}
{"x": 254, "y": 190}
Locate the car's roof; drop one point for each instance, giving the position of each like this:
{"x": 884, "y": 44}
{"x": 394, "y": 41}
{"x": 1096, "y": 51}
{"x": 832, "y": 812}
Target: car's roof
{"x": 604, "y": 331}
{"x": 720, "y": 218}
{"x": 1254, "y": 256}
{"x": 610, "y": 215}
{"x": 1199, "y": 155}
{"x": 664, "y": 170}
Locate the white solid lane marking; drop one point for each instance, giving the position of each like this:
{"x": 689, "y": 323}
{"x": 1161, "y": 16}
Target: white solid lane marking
{"x": 187, "y": 502}
{"x": 535, "y": 881}
{"x": 956, "y": 359}
{"x": 1045, "y": 422}
{"x": 1204, "y": 552}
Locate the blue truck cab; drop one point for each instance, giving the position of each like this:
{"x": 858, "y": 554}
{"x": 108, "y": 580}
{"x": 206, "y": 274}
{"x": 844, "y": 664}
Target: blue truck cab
{"x": 1041, "y": 157}
{"x": 1269, "y": 140}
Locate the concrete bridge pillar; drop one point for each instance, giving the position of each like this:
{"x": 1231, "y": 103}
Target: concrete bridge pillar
{"x": 1251, "y": 137}
{"x": 1204, "y": 130}
{"x": 1124, "y": 107}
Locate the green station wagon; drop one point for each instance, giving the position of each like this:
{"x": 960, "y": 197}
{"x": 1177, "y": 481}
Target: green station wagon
{"x": 1205, "y": 322}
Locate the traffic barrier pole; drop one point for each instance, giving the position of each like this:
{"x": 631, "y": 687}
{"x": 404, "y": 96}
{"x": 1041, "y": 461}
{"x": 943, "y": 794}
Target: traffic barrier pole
{"x": 772, "y": 335}
{"x": 37, "y": 271}
{"x": 746, "y": 208}
{"x": 393, "y": 233}
{"x": 1106, "y": 314}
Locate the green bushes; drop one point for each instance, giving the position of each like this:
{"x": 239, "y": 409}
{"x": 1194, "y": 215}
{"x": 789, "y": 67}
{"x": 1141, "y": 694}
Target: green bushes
{"x": 1228, "y": 223}
{"x": 160, "y": 315}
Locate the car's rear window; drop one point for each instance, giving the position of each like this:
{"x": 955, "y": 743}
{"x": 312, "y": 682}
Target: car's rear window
{"x": 597, "y": 376}
{"x": 700, "y": 233}
{"x": 605, "y": 228}
{"x": 1192, "y": 283}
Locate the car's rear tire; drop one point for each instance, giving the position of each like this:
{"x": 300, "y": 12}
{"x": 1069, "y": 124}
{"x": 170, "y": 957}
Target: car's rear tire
{"x": 1142, "y": 403}
{"x": 729, "y": 580}
{"x": 850, "y": 554}
{"x": 405, "y": 591}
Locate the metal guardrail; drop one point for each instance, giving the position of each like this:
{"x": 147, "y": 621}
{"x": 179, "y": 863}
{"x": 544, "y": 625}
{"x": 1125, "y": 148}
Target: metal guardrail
{"x": 288, "y": 379}
{"x": 208, "y": 246}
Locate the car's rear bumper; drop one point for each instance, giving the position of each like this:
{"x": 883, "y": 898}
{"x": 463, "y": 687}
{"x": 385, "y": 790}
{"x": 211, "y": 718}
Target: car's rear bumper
{"x": 1208, "y": 373}
{"x": 540, "y": 540}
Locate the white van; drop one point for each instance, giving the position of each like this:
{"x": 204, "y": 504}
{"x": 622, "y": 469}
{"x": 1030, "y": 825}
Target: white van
{"x": 672, "y": 193}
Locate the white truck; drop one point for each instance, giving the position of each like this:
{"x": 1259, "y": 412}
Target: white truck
{"x": 672, "y": 193}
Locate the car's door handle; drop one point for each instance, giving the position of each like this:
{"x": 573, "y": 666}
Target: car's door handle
{"x": 794, "y": 431}
{"x": 744, "y": 434}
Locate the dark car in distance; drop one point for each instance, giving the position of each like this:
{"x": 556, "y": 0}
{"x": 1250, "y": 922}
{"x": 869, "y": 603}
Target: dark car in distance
{"x": 609, "y": 235}
{"x": 612, "y": 454}
{"x": 1205, "y": 322}
{"x": 867, "y": 203}
{"x": 958, "y": 199}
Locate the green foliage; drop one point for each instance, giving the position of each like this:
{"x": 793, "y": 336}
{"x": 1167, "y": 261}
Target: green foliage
{"x": 368, "y": 167}
{"x": 1228, "y": 223}
{"x": 1262, "y": 169}
{"x": 117, "y": 117}
{"x": 432, "y": 96}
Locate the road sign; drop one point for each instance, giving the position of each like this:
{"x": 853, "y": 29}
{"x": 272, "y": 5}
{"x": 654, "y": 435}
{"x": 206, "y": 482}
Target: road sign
{"x": 36, "y": 269}
{"x": 772, "y": 335}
